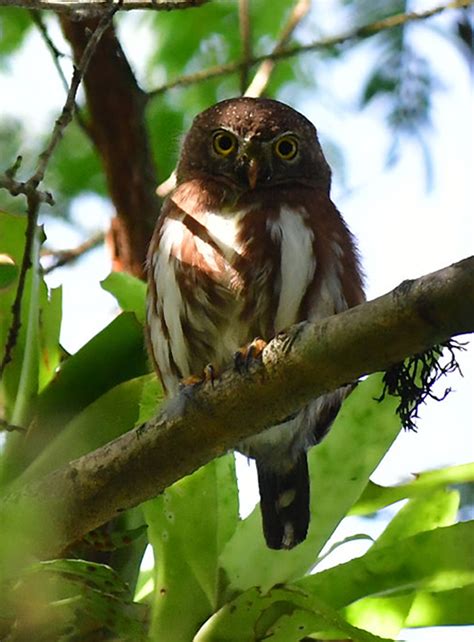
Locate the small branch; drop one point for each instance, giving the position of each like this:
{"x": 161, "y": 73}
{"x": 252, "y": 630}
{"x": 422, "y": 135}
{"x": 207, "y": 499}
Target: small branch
{"x": 206, "y": 420}
{"x": 246, "y": 39}
{"x": 37, "y": 18}
{"x": 4, "y": 425}
{"x": 287, "y": 52}
{"x": 56, "y": 55}
{"x": 15, "y": 188}
{"x": 29, "y": 188}
{"x": 61, "y": 258}
{"x": 68, "y": 110}
{"x": 96, "y": 8}
{"x": 264, "y": 72}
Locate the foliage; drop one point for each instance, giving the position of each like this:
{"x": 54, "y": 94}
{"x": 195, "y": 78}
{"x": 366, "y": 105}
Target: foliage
{"x": 234, "y": 587}
{"x": 212, "y": 577}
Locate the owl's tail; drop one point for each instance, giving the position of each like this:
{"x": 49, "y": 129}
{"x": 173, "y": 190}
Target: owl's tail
{"x": 284, "y": 503}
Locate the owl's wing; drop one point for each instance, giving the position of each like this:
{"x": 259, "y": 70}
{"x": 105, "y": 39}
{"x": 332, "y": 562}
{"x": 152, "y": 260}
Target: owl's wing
{"x": 163, "y": 325}
{"x": 336, "y": 286}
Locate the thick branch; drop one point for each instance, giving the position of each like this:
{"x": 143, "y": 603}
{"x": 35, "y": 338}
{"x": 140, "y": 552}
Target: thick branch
{"x": 205, "y": 421}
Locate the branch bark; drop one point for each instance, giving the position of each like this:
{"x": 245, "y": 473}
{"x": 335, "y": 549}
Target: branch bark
{"x": 96, "y": 8}
{"x": 205, "y": 421}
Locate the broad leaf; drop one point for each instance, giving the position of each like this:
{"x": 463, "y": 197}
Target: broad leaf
{"x": 189, "y": 524}
{"x": 376, "y": 497}
{"x": 283, "y": 614}
{"x": 434, "y": 560}
{"x": 129, "y": 291}
{"x": 339, "y": 470}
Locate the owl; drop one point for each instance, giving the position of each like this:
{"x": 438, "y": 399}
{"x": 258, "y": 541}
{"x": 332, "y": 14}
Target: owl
{"x": 246, "y": 245}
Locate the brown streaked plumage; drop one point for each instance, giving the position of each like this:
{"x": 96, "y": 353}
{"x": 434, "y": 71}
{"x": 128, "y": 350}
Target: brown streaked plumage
{"x": 247, "y": 244}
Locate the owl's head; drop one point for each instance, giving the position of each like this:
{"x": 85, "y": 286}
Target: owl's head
{"x": 253, "y": 143}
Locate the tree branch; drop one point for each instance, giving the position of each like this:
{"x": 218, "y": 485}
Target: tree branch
{"x": 30, "y": 188}
{"x": 360, "y": 33}
{"x": 264, "y": 71}
{"x": 96, "y": 8}
{"x": 246, "y": 40}
{"x": 60, "y": 258}
{"x": 205, "y": 421}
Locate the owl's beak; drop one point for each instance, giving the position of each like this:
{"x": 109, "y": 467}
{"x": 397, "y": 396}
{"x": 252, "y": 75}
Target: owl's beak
{"x": 252, "y": 172}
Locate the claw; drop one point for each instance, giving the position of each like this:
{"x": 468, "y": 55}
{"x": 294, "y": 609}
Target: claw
{"x": 246, "y": 356}
{"x": 208, "y": 376}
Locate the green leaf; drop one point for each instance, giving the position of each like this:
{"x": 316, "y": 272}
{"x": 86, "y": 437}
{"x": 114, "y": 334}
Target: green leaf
{"x": 35, "y": 356}
{"x": 77, "y": 597}
{"x": 363, "y": 427}
{"x": 420, "y": 609}
{"x": 102, "y": 540}
{"x": 8, "y": 271}
{"x": 14, "y": 25}
{"x": 284, "y": 614}
{"x": 443, "y": 608}
{"x": 49, "y": 332}
{"x": 75, "y": 167}
{"x": 376, "y": 497}
{"x": 427, "y": 512}
{"x": 114, "y": 355}
{"x": 129, "y": 291}
{"x": 434, "y": 560}
{"x": 103, "y": 420}
{"x": 188, "y": 526}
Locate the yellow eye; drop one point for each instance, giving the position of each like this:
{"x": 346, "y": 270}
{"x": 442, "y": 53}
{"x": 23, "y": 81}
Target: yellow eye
{"x": 224, "y": 143}
{"x": 286, "y": 148}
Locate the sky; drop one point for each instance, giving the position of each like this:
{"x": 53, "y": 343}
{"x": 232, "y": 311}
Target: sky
{"x": 403, "y": 230}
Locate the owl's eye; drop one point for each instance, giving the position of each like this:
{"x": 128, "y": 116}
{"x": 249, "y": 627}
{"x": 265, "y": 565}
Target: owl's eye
{"x": 286, "y": 148}
{"x": 224, "y": 143}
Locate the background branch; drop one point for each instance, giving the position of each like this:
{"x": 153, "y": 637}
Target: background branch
{"x": 30, "y": 187}
{"x": 246, "y": 40}
{"x": 116, "y": 107}
{"x": 360, "y": 33}
{"x": 203, "y": 422}
{"x": 96, "y": 8}
{"x": 59, "y": 258}
{"x": 263, "y": 73}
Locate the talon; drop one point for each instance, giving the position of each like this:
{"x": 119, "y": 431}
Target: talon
{"x": 192, "y": 380}
{"x": 246, "y": 356}
{"x": 208, "y": 376}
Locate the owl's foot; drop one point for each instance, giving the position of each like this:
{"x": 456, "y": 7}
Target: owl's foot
{"x": 208, "y": 376}
{"x": 249, "y": 354}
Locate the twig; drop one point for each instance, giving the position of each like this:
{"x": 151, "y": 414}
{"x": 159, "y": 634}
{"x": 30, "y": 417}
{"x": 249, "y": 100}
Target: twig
{"x": 63, "y": 257}
{"x": 30, "y": 188}
{"x": 246, "y": 39}
{"x": 15, "y": 188}
{"x": 56, "y": 55}
{"x": 286, "y": 52}
{"x": 263, "y": 73}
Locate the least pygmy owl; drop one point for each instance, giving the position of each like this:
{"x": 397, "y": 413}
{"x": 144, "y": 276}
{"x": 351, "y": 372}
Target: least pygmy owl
{"x": 247, "y": 244}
